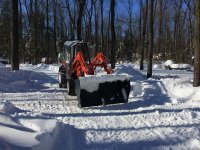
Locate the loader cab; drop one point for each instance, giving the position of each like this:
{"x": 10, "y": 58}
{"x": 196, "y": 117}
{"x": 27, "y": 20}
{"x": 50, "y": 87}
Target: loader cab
{"x": 72, "y": 47}
{"x": 82, "y": 47}
{"x": 66, "y": 74}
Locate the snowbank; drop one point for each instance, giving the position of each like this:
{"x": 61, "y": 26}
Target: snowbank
{"x": 171, "y": 65}
{"x": 168, "y": 63}
{"x": 23, "y": 80}
{"x": 54, "y": 68}
{"x": 9, "y": 108}
{"x": 21, "y": 131}
{"x": 180, "y": 66}
{"x": 181, "y": 90}
{"x": 157, "y": 66}
{"x": 133, "y": 73}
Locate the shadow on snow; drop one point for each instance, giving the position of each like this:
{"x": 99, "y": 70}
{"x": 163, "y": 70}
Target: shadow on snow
{"x": 26, "y": 81}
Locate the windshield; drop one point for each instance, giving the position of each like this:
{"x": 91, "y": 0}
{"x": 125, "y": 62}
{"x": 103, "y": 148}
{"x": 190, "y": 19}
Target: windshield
{"x": 84, "y": 49}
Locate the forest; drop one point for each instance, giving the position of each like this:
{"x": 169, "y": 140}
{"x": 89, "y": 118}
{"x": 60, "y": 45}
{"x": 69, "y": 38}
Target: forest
{"x": 125, "y": 30}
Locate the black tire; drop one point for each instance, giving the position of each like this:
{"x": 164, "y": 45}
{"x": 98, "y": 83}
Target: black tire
{"x": 62, "y": 79}
{"x": 77, "y": 85}
{"x": 71, "y": 89}
{"x": 60, "y": 85}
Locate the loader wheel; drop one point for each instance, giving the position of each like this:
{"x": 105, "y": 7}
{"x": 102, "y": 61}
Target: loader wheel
{"x": 60, "y": 85}
{"x": 71, "y": 87}
{"x": 62, "y": 80}
{"x": 59, "y": 80}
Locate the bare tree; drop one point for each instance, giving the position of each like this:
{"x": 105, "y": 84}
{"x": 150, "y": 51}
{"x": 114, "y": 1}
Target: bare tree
{"x": 14, "y": 37}
{"x": 197, "y": 46}
{"x": 101, "y": 1}
{"x": 55, "y": 26}
{"x": 96, "y": 22}
{"x": 48, "y": 39}
{"x": 112, "y": 25}
{"x": 128, "y": 20}
{"x": 72, "y": 23}
{"x": 107, "y": 52}
{"x": 130, "y": 14}
{"x": 143, "y": 39}
{"x": 150, "y": 49}
{"x": 160, "y": 13}
{"x": 81, "y": 5}
{"x": 36, "y": 59}
{"x": 140, "y": 23}
{"x": 89, "y": 14}
{"x": 21, "y": 33}
{"x": 46, "y": 24}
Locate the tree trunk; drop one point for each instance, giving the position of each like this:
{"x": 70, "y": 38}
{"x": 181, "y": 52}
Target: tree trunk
{"x": 21, "y": 33}
{"x": 96, "y": 20}
{"x": 140, "y": 24}
{"x": 81, "y": 4}
{"x": 113, "y": 40}
{"x": 36, "y": 33}
{"x": 90, "y": 12}
{"x": 14, "y": 37}
{"x": 150, "y": 49}
{"x": 102, "y": 48}
{"x": 72, "y": 20}
{"x": 55, "y": 28}
{"x": 130, "y": 35}
{"x": 160, "y": 26}
{"x": 48, "y": 39}
{"x": 107, "y": 52}
{"x": 143, "y": 39}
{"x": 197, "y": 46}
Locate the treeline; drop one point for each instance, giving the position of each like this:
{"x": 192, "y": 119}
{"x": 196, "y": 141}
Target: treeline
{"x": 44, "y": 26}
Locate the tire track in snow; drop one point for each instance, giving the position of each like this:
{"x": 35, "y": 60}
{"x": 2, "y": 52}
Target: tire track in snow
{"x": 162, "y": 137}
{"x": 109, "y": 123}
{"x": 167, "y": 124}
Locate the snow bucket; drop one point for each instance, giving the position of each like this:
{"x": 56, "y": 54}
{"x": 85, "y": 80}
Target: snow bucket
{"x": 102, "y": 90}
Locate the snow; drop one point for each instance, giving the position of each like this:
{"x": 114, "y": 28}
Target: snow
{"x": 168, "y": 63}
{"x": 2, "y": 65}
{"x": 172, "y": 65}
{"x": 180, "y": 66}
{"x": 91, "y": 82}
{"x": 163, "y": 112}
{"x": 8, "y": 107}
{"x": 157, "y": 66}
{"x": 20, "y": 130}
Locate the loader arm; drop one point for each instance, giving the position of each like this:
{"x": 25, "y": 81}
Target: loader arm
{"x": 100, "y": 60}
{"x": 79, "y": 65}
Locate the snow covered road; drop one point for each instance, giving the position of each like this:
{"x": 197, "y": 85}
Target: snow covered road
{"x": 162, "y": 113}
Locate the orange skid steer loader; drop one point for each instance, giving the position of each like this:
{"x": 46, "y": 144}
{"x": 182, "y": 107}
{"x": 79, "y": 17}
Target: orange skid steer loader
{"x": 81, "y": 77}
